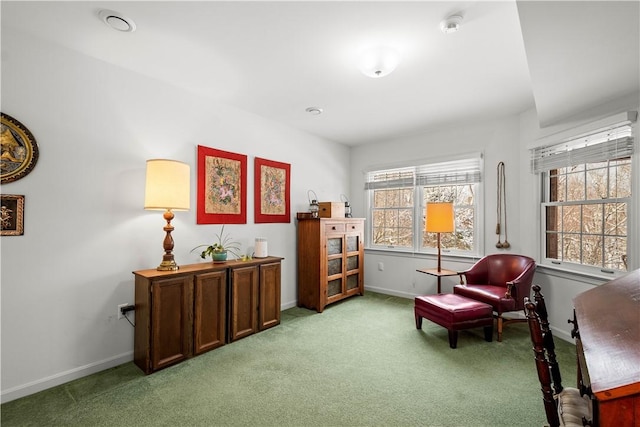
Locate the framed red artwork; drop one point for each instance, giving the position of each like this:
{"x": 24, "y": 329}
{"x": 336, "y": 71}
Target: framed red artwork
{"x": 271, "y": 191}
{"x": 222, "y": 187}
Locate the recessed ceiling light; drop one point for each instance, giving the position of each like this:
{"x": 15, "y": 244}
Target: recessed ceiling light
{"x": 451, "y": 24}
{"x": 314, "y": 111}
{"x": 117, "y": 21}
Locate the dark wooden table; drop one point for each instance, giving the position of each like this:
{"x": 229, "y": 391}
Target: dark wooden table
{"x": 608, "y": 318}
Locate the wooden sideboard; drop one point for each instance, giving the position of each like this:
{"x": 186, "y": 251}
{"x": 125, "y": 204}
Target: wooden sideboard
{"x": 608, "y": 347}
{"x": 200, "y": 307}
{"x": 330, "y": 260}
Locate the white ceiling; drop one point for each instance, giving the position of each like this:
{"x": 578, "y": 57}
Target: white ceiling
{"x": 275, "y": 59}
{"x": 580, "y": 54}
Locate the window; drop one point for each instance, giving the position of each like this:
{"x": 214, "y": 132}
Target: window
{"x": 586, "y": 199}
{"x": 398, "y": 198}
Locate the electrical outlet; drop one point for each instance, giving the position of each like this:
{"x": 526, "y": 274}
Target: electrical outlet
{"x": 120, "y": 307}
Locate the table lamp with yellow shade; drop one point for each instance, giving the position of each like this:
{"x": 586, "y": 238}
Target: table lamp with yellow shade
{"x": 439, "y": 219}
{"x": 167, "y": 189}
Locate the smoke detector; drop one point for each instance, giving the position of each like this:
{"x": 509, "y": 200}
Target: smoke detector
{"x": 117, "y": 21}
{"x": 451, "y": 24}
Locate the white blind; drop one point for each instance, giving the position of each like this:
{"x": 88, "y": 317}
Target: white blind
{"x": 392, "y": 178}
{"x": 605, "y": 145}
{"x": 463, "y": 171}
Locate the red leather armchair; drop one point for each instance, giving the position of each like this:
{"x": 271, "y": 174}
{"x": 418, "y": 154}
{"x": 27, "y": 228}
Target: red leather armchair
{"x": 500, "y": 280}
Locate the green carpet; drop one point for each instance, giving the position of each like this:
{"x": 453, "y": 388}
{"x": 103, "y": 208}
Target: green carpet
{"x": 360, "y": 363}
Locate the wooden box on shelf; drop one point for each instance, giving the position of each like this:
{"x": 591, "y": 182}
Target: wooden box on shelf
{"x": 330, "y": 260}
{"x": 331, "y": 209}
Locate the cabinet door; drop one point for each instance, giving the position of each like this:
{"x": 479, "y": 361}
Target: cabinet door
{"x": 209, "y": 311}
{"x": 243, "y": 316}
{"x": 335, "y": 267}
{"x": 269, "y": 308}
{"x": 171, "y": 336}
{"x": 353, "y": 264}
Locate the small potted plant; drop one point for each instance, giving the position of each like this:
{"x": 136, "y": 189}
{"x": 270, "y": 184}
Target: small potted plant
{"x": 220, "y": 248}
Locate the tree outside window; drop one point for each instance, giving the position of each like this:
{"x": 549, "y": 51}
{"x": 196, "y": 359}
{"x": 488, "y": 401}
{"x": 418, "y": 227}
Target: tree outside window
{"x": 586, "y": 215}
{"x": 587, "y": 195}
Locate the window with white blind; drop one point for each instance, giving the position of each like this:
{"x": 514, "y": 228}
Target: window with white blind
{"x": 398, "y": 198}
{"x": 586, "y": 200}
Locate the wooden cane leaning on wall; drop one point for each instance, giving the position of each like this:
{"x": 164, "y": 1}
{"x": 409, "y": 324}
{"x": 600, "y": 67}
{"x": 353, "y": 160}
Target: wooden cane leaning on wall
{"x": 502, "y": 208}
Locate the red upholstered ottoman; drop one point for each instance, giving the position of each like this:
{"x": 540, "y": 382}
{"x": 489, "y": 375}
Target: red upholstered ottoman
{"x": 455, "y": 313}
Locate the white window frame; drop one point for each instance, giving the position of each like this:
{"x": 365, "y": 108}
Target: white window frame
{"x": 586, "y": 139}
{"x": 419, "y": 207}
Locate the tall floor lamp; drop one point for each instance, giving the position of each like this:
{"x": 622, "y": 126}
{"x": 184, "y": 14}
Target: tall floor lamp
{"x": 439, "y": 220}
{"x": 167, "y": 189}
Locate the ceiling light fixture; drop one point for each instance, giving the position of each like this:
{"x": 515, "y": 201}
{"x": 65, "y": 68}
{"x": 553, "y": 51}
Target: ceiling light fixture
{"x": 379, "y": 61}
{"x": 117, "y": 21}
{"x": 451, "y": 24}
{"x": 314, "y": 111}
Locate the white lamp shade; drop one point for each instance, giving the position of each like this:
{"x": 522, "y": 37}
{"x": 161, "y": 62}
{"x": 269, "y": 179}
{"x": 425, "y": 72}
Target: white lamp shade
{"x": 439, "y": 218}
{"x": 379, "y": 61}
{"x": 167, "y": 186}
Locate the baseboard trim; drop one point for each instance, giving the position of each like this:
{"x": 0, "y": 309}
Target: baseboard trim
{"x": 63, "y": 377}
{"x": 563, "y": 335}
{"x": 288, "y": 305}
{"x": 390, "y": 292}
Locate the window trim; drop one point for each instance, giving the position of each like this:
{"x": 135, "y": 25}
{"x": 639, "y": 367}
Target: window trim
{"x": 633, "y": 204}
{"x": 586, "y": 269}
{"x": 418, "y": 211}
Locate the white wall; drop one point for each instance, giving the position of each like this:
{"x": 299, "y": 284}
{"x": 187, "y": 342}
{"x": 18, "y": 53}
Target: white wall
{"x": 85, "y": 228}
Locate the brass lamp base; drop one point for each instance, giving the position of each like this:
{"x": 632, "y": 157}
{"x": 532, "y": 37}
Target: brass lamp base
{"x": 168, "y": 266}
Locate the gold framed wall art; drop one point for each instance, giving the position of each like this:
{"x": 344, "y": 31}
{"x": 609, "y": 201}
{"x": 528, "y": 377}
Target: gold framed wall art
{"x": 11, "y": 215}
{"x": 19, "y": 149}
